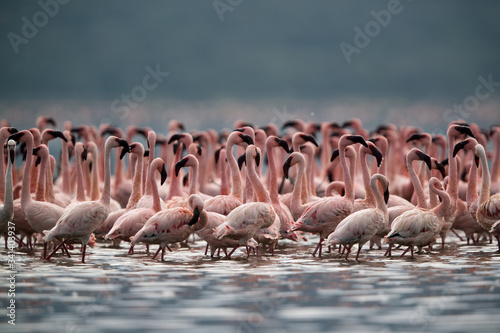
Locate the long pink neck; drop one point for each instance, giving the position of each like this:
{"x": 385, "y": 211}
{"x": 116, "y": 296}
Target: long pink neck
{"x": 485, "y": 186}
{"x": 349, "y": 190}
{"x": 224, "y": 183}
{"x": 259, "y": 189}
{"x": 40, "y": 188}
{"x": 26, "y": 194}
{"x": 136, "y": 194}
{"x": 369, "y": 193}
{"x": 106, "y": 195}
{"x": 273, "y": 177}
{"x": 297, "y": 188}
{"x": 193, "y": 187}
{"x": 95, "y": 193}
{"x": 119, "y": 176}
{"x": 49, "y": 183}
{"x": 154, "y": 189}
{"x": 375, "y": 189}
{"x": 66, "y": 188}
{"x": 152, "y": 143}
{"x": 472, "y": 195}
{"x": 441, "y": 209}
{"x": 80, "y": 190}
{"x": 417, "y": 185}
{"x": 452, "y": 188}
{"x": 236, "y": 188}
{"x": 176, "y": 181}
{"x": 3, "y": 137}
{"x": 326, "y": 149}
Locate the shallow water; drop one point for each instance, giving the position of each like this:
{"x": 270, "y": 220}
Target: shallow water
{"x": 453, "y": 290}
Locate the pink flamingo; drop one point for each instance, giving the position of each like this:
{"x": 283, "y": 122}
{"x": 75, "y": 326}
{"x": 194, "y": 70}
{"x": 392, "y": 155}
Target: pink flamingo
{"x": 324, "y": 215}
{"x": 419, "y": 227}
{"x": 170, "y": 225}
{"x": 224, "y": 204}
{"x": 7, "y": 208}
{"x": 369, "y": 200}
{"x": 80, "y": 221}
{"x": 243, "y": 222}
{"x": 39, "y": 214}
{"x": 361, "y": 226}
{"x": 133, "y": 220}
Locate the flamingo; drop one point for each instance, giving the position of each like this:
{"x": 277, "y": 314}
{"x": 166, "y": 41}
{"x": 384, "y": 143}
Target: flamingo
{"x": 361, "y": 226}
{"x": 324, "y": 215}
{"x": 488, "y": 211}
{"x": 170, "y": 225}
{"x": 369, "y": 200}
{"x": 7, "y": 208}
{"x": 244, "y": 221}
{"x": 4, "y": 133}
{"x": 224, "y": 204}
{"x": 419, "y": 227}
{"x": 128, "y": 224}
{"x": 39, "y": 214}
{"x": 82, "y": 219}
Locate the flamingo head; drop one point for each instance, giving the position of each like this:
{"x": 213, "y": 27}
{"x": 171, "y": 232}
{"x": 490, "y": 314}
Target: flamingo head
{"x": 283, "y": 144}
{"x": 438, "y": 166}
{"x": 356, "y": 139}
{"x": 58, "y": 134}
{"x": 468, "y": 143}
{"x": 11, "y": 146}
{"x": 309, "y": 138}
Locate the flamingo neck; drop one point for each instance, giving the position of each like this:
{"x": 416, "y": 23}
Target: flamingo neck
{"x": 297, "y": 188}
{"x": 49, "y": 184}
{"x": 442, "y": 208}
{"x": 119, "y": 176}
{"x": 26, "y": 193}
{"x": 80, "y": 191}
{"x": 40, "y": 188}
{"x": 154, "y": 189}
{"x": 369, "y": 193}
{"x": 472, "y": 195}
{"x": 106, "y": 195}
{"x": 224, "y": 184}
{"x": 8, "y": 193}
{"x": 259, "y": 189}
{"x": 136, "y": 194}
{"x": 273, "y": 177}
{"x": 94, "y": 194}
{"x": 417, "y": 185}
{"x": 485, "y": 186}
{"x": 378, "y": 198}
{"x": 452, "y": 188}
{"x": 236, "y": 189}
{"x": 193, "y": 187}
{"x": 151, "y": 157}
{"x": 65, "y": 169}
{"x": 349, "y": 190}
{"x": 175, "y": 182}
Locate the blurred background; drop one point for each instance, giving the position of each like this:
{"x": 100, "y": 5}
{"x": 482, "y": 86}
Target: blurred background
{"x": 209, "y": 63}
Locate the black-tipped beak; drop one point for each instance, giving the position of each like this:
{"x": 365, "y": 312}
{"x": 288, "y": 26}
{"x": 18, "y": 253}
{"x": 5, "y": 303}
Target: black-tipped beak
{"x": 310, "y": 138}
{"x": 15, "y": 136}
{"x": 465, "y": 130}
{"x": 386, "y": 195}
{"x": 441, "y": 169}
{"x": 38, "y": 161}
{"x": 109, "y": 130}
{"x": 73, "y": 139}
{"x": 163, "y": 175}
{"x": 414, "y": 137}
{"x": 216, "y": 155}
{"x": 84, "y": 153}
{"x": 12, "y": 130}
{"x": 175, "y": 137}
{"x": 124, "y": 152}
{"x": 241, "y": 160}
{"x": 123, "y": 143}
{"x": 335, "y": 154}
{"x": 426, "y": 158}
{"x": 257, "y": 159}
{"x": 373, "y": 140}
{"x": 286, "y": 166}
{"x": 290, "y": 123}
{"x": 179, "y": 165}
{"x": 146, "y": 153}
{"x": 59, "y": 134}
{"x": 377, "y": 154}
{"x": 459, "y": 146}
{"x": 79, "y": 129}
{"x": 283, "y": 144}
{"x": 476, "y": 160}
{"x": 358, "y": 139}
{"x": 247, "y": 139}
{"x": 196, "y": 216}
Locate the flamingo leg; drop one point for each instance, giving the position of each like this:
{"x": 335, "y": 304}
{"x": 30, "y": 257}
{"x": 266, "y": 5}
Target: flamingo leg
{"x": 456, "y": 233}
{"x": 409, "y": 247}
{"x": 168, "y": 247}
{"x": 19, "y": 241}
{"x": 359, "y": 250}
{"x": 206, "y": 249}
{"x": 388, "y": 253}
{"x": 156, "y": 253}
{"x": 348, "y": 250}
{"x": 228, "y": 256}
{"x": 44, "y": 250}
{"x": 163, "y": 254}
{"x": 147, "y": 248}
{"x": 55, "y": 250}
{"x": 84, "y": 247}
{"x": 65, "y": 250}
{"x": 318, "y": 247}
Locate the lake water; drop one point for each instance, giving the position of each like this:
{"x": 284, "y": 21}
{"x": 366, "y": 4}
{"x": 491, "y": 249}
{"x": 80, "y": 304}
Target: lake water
{"x": 451, "y": 290}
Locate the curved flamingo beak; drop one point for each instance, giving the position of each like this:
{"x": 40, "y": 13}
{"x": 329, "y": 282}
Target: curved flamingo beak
{"x": 163, "y": 175}
{"x": 309, "y": 138}
{"x": 179, "y": 165}
{"x": 414, "y": 137}
{"x": 465, "y": 129}
{"x": 84, "y": 153}
{"x": 426, "y": 158}
{"x": 15, "y": 136}
{"x": 358, "y": 139}
{"x": 175, "y": 137}
{"x": 50, "y": 120}
{"x": 377, "y": 154}
{"x": 257, "y": 159}
{"x": 459, "y": 146}
{"x": 286, "y": 166}
{"x": 216, "y": 155}
{"x": 441, "y": 169}
{"x": 59, "y": 134}
{"x": 196, "y": 216}
{"x": 290, "y": 123}
{"x": 386, "y": 195}
{"x": 283, "y": 144}
{"x": 335, "y": 154}
{"x": 12, "y": 130}
{"x": 241, "y": 160}
{"x": 247, "y": 139}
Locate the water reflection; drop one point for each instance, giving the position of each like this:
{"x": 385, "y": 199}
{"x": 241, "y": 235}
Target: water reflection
{"x": 453, "y": 290}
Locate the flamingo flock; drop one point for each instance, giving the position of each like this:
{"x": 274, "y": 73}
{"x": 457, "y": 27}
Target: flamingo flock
{"x": 255, "y": 188}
